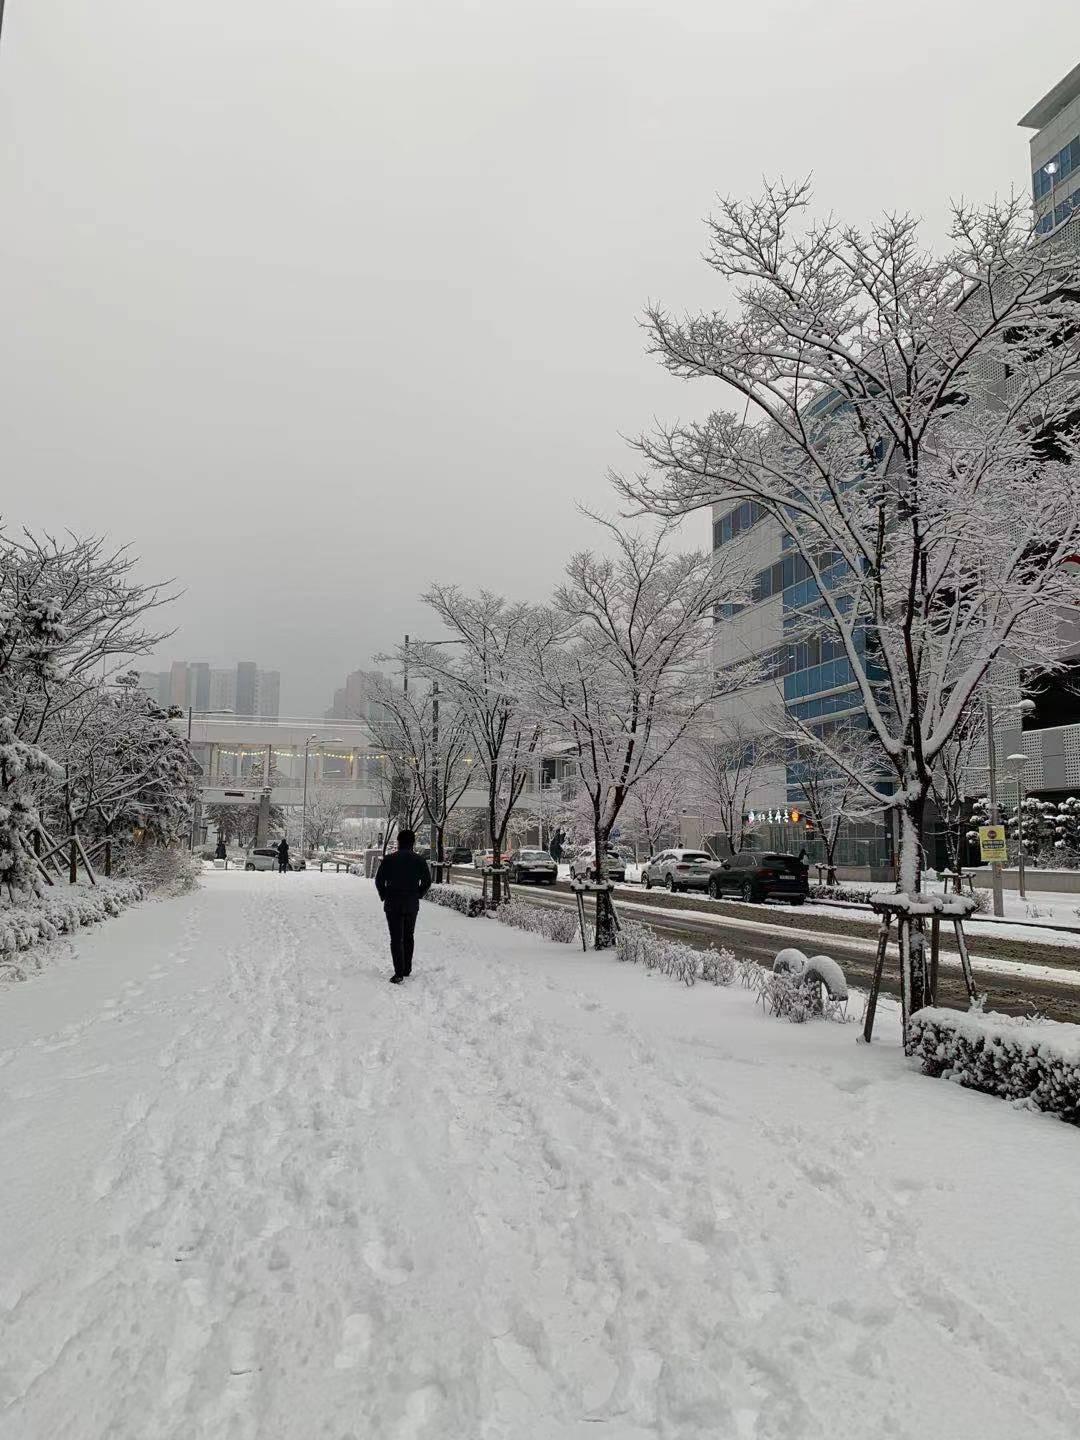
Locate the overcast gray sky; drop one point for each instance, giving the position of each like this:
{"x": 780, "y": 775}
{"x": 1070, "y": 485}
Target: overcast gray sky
{"x": 315, "y": 303}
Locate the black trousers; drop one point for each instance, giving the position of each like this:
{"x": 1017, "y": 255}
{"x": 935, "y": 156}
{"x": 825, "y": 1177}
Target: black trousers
{"x": 402, "y": 925}
{"x": 283, "y": 867}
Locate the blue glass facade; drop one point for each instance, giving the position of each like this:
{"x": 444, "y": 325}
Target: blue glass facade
{"x": 1067, "y": 160}
{"x": 1066, "y": 163}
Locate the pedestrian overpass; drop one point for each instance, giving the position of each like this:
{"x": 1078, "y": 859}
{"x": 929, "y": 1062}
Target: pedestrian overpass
{"x": 243, "y": 758}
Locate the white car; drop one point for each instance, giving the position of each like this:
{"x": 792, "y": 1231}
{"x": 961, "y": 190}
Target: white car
{"x": 265, "y": 857}
{"x": 680, "y": 870}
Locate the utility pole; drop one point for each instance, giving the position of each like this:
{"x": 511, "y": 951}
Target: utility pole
{"x": 435, "y": 853}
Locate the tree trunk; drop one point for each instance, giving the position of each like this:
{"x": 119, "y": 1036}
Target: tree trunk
{"x": 604, "y": 935}
{"x": 915, "y": 977}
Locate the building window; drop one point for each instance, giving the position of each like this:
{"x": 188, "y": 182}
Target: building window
{"x": 736, "y": 521}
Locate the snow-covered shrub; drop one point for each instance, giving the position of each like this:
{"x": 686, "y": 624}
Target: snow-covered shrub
{"x": 637, "y": 943}
{"x": 751, "y": 975}
{"x": 59, "y": 912}
{"x": 783, "y": 994}
{"x": 554, "y": 924}
{"x": 167, "y": 869}
{"x": 799, "y": 988}
{"x": 718, "y": 966}
{"x": 856, "y": 894}
{"x": 462, "y": 898}
{"x": 1036, "y": 1062}
{"x": 983, "y": 903}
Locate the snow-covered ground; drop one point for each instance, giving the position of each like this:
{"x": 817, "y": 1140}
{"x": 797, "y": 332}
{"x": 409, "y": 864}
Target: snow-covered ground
{"x": 249, "y": 1189}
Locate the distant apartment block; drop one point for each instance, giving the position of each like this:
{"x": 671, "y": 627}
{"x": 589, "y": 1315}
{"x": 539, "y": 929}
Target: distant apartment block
{"x": 354, "y": 700}
{"x": 243, "y": 689}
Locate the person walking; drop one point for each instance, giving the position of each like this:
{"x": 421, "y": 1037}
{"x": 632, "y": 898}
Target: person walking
{"x": 402, "y": 880}
{"x": 283, "y": 857}
{"x": 220, "y": 853}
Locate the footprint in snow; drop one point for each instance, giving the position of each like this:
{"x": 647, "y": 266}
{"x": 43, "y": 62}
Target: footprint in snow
{"x": 355, "y": 1341}
{"x": 393, "y": 1270}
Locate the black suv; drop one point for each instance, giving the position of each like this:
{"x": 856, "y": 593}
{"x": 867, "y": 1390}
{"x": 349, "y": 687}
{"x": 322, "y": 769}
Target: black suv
{"x": 761, "y": 875}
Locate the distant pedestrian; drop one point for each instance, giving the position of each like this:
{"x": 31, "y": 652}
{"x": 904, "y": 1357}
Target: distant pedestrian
{"x": 283, "y": 857}
{"x": 402, "y": 880}
{"x": 220, "y": 852}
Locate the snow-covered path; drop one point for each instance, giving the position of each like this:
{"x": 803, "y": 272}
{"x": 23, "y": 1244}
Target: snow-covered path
{"x": 249, "y": 1189}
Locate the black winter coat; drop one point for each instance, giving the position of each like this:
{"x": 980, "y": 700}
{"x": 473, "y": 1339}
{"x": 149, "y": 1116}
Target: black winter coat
{"x": 402, "y": 879}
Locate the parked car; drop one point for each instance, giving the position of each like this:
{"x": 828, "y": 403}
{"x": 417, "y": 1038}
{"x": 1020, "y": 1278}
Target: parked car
{"x": 483, "y": 859}
{"x": 264, "y": 857}
{"x": 679, "y": 870}
{"x": 761, "y": 875}
{"x": 582, "y": 866}
{"x": 461, "y": 855}
{"x": 534, "y": 865}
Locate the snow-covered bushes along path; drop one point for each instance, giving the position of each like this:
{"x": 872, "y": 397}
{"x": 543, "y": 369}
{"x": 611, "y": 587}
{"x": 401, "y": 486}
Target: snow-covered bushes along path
{"x": 252, "y": 1190}
{"x": 60, "y": 911}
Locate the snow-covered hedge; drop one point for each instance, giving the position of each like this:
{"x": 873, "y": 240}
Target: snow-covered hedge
{"x": 554, "y": 924}
{"x": 640, "y": 945}
{"x": 857, "y": 895}
{"x": 1036, "y": 1062}
{"x": 462, "y": 898}
{"x": 59, "y": 912}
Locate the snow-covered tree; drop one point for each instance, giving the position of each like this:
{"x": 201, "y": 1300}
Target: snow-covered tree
{"x": 126, "y": 767}
{"x": 482, "y": 677}
{"x": 653, "y": 807}
{"x": 908, "y": 423}
{"x": 431, "y": 735}
{"x": 325, "y": 815}
{"x": 727, "y": 760}
{"x": 829, "y": 792}
{"x": 1066, "y": 841}
{"x": 68, "y": 610}
{"x": 951, "y": 781}
{"x": 622, "y": 676}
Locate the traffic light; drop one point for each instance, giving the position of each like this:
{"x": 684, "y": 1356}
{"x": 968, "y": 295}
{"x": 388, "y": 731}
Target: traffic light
{"x": 796, "y": 816}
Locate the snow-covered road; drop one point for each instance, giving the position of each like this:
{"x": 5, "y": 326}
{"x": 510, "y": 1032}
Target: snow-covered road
{"x": 249, "y": 1189}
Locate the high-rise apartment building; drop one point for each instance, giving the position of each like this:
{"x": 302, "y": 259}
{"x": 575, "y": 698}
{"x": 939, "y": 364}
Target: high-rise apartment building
{"x": 247, "y": 681}
{"x": 243, "y": 689}
{"x": 353, "y": 701}
{"x": 1055, "y": 154}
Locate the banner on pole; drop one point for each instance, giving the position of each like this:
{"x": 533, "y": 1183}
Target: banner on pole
{"x": 992, "y": 844}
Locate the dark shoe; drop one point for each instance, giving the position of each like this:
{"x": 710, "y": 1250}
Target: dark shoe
{"x": 396, "y": 979}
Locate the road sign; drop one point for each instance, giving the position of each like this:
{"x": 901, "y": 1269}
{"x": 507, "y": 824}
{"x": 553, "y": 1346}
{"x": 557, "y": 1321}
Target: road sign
{"x": 992, "y": 844}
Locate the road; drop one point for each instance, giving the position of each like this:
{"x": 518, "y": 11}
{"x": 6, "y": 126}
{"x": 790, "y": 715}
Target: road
{"x": 759, "y": 931}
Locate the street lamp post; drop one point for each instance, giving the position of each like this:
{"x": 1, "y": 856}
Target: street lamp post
{"x": 1025, "y": 707}
{"x": 303, "y": 810}
{"x": 434, "y": 832}
{"x": 1019, "y": 761}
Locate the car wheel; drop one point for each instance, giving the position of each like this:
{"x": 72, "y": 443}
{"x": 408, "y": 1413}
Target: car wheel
{"x": 249, "y": 866}
{"x": 747, "y": 892}
{"x": 646, "y": 881}
{"x": 670, "y": 883}
{"x": 714, "y": 889}
{"x": 798, "y": 900}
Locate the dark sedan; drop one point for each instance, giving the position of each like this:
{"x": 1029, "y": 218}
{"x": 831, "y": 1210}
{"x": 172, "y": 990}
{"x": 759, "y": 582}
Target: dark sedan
{"x": 535, "y": 866}
{"x": 761, "y": 875}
